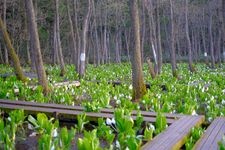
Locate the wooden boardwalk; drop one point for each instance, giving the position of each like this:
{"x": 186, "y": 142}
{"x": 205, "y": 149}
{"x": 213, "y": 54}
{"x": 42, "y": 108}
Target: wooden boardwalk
{"x": 175, "y": 135}
{"x": 70, "y": 112}
{"x": 212, "y": 136}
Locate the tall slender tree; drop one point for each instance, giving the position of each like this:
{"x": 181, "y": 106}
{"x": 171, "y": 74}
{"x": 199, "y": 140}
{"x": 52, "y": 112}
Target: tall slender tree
{"x": 159, "y": 44}
{"x": 32, "y": 25}
{"x": 139, "y": 89}
{"x": 57, "y": 39}
{"x": 12, "y": 53}
{"x": 84, "y": 40}
{"x": 172, "y": 46}
{"x": 190, "y": 61}
{"x": 72, "y": 35}
{"x": 211, "y": 41}
{"x": 223, "y": 26}
{"x": 4, "y": 20}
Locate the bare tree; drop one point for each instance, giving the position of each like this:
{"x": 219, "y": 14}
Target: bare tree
{"x": 4, "y": 20}
{"x": 159, "y": 44}
{"x": 12, "y": 53}
{"x": 139, "y": 89}
{"x": 57, "y": 39}
{"x": 223, "y": 26}
{"x": 172, "y": 48}
{"x": 84, "y": 41}
{"x": 190, "y": 61}
{"x": 74, "y": 57}
{"x": 211, "y": 41}
{"x": 32, "y": 25}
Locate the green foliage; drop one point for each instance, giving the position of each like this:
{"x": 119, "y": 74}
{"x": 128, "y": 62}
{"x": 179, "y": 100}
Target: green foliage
{"x": 148, "y": 133}
{"x": 90, "y": 141}
{"x": 200, "y": 93}
{"x": 66, "y": 138}
{"x": 160, "y": 123}
{"x": 81, "y": 121}
{"x": 126, "y": 134}
{"x": 104, "y": 131}
{"x": 222, "y": 144}
{"x": 42, "y": 124}
{"x": 8, "y": 129}
{"x": 196, "y": 133}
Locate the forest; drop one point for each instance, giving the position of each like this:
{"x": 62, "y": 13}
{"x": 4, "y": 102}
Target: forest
{"x": 112, "y": 74}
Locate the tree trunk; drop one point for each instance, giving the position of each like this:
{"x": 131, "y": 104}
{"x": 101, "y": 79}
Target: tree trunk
{"x": 73, "y": 41}
{"x": 190, "y": 61}
{"x": 172, "y": 54}
{"x": 96, "y": 34}
{"x": 151, "y": 68}
{"x": 12, "y": 53}
{"x": 127, "y": 42}
{"x": 77, "y": 35}
{"x": 223, "y": 26}
{"x": 211, "y": 42}
{"x": 84, "y": 40}
{"x": 36, "y": 46}
{"x": 204, "y": 46}
{"x": 159, "y": 38}
{"x": 4, "y": 20}
{"x": 139, "y": 89}
{"x": 1, "y": 56}
{"x": 58, "y": 41}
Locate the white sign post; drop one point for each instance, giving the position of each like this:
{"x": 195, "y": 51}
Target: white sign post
{"x": 82, "y": 57}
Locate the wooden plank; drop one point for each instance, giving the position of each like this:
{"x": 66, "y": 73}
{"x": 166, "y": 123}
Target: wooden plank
{"x": 174, "y": 136}
{"x": 63, "y": 111}
{"x": 212, "y": 136}
{"x": 186, "y": 132}
{"x": 175, "y": 139}
{"x": 169, "y": 117}
{"x": 159, "y": 139}
{"x": 219, "y": 136}
{"x": 106, "y": 110}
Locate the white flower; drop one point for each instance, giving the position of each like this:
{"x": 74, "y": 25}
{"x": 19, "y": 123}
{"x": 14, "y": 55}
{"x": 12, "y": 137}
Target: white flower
{"x": 53, "y": 147}
{"x": 62, "y": 100}
{"x": 129, "y": 97}
{"x": 210, "y": 119}
{"x": 33, "y": 134}
{"x": 118, "y": 102}
{"x": 151, "y": 127}
{"x": 223, "y": 101}
{"x": 115, "y": 97}
{"x": 113, "y": 121}
{"x": 16, "y": 90}
{"x": 194, "y": 113}
{"x": 203, "y": 90}
{"x": 54, "y": 133}
{"x": 108, "y": 121}
{"x": 117, "y": 144}
{"x": 130, "y": 87}
{"x": 30, "y": 126}
{"x": 158, "y": 95}
{"x": 121, "y": 95}
{"x": 9, "y": 119}
{"x": 7, "y": 94}
{"x": 223, "y": 91}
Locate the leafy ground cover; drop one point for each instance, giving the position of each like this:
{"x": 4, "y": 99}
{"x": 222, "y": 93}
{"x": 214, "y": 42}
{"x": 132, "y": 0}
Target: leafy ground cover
{"x": 201, "y": 93}
{"x": 19, "y": 131}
